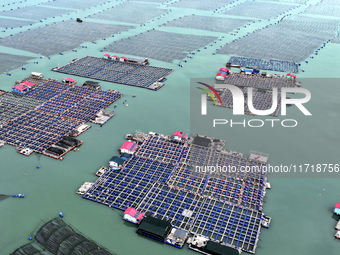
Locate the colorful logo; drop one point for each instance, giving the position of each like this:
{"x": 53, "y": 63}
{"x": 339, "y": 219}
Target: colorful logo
{"x": 210, "y": 94}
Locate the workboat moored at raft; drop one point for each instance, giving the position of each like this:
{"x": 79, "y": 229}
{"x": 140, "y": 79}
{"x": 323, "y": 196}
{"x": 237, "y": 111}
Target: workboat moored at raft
{"x": 229, "y": 64}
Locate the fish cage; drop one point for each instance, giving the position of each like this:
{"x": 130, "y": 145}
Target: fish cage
{"x": 215, "y": 24}
{"x": 57, "y": 237}
{"x": 259, "y": 10}
{"x": 229, "y": 224}
{"x": 164, "y": 46}
{"x": 61, "y": 36}
{"x": 131, "y": 12}
{"x": 9, "y": 62}
{"x": 75, "y": 4}
{"x": 201, "y": 5}
{"x": 294, "y": 38}
{"x": 12, "y": 23}
{"x": 262, "y": 100}
{"x": 115, "y": 71}
{"x": 35, "y": 12}
{"x": 180, "y": 207}
{"x": 265, "y": 64}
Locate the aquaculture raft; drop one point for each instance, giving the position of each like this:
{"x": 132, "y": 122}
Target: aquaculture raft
{"x": 162, "y": 180}
{"x": 260, "y": 81}
{"x": 262, "y": 100}
{"x": 116, "y": 71}
{"x": 41, "y": 117}
{"x": 266, "y": 64}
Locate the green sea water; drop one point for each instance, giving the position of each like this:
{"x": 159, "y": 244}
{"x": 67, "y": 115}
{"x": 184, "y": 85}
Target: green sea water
{"x": 301, "y": 208}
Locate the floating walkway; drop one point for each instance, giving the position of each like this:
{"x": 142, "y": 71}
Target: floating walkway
{"x": 266, "y": 64}
{"x": 179, "y": 182}
{"x": 116, "y": 71}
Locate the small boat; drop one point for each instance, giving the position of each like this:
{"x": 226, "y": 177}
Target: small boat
{"x": 232, "y": 65}
{"x": 337, "y": 235}
{"x": 101, "y": 171}
{"x": 266, "y": 221}
{"x": 337, "y": 227}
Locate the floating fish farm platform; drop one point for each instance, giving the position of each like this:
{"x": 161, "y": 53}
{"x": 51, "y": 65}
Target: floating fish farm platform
{"x": 262, "y": 82}
{"x": 42, "y": 118}
{"x": 262, "y": 100}
{"x": 178, "y": 181}
{"x": 116, "y": 71}
{"x": 265, "y": 64}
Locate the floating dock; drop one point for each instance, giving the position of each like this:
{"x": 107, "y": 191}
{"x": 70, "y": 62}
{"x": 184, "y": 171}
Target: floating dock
{"x": 116, "y": 71}
{"x": 83, "y": 188}
{"x": 102, "y": 117}
{"x": 79, "y": 130}
{"x": 168, "y": 180}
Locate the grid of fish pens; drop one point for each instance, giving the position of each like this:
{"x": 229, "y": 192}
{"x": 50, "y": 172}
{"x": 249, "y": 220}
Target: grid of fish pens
{"x": 9, "y": 62}
{"x": 262, "y": 100}
{"x": 60, "y": 37}
{"x": 288, "y": 1}
{"x": 294, "y": 39}
{"x": 59, "y": 238}
{"x": 324, "y": 10}
{"x": 161, "y": 149}
{"x": 13, "y": 105}
{"x": 331, "y": 2}
{"x": 76, "y": 4}
{"x": 36, "y": 130}
{"x": 266, "y": 64}
{"x": 35, "y": 12}
{"x": 259, "y": 82}
{"x": 115, "y": 71}
{"x": 48, "y": 90}
{"x": 164, "y": 46}
{"x": 9, "y": 23}
{"x": 234, "y": 185}
{"x": 78, "y": 103}
{"x": 259, "y": 10}
{"x": 169, "y": 203}
{"x": 27, "y": 250}
{"x": 228, "y": 224}
{"x": 153, "y": 1}
{"x": 128, "y": 188}
{"x": 131, "y": 12}
{"x": 211, "y": 173}
{"x": 201, "y": 5}
{"x": 216, "y": 24}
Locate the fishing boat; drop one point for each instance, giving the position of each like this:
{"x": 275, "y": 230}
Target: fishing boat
{"x": 337, "y": 235}
{"x": 232, "y": 65}
{"x": 101, "y": 171}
